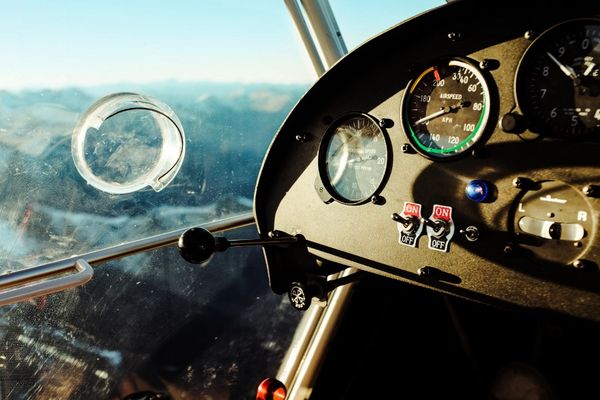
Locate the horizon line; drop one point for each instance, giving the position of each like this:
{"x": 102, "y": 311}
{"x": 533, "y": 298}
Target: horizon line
{"x": 96, "y": 86}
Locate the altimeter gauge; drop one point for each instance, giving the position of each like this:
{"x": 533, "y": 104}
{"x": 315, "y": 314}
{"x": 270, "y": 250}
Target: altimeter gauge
{"x": 353, "y": 158}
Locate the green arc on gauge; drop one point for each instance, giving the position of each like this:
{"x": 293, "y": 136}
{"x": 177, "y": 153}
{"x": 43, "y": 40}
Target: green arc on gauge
{"x": 449, "y": 149}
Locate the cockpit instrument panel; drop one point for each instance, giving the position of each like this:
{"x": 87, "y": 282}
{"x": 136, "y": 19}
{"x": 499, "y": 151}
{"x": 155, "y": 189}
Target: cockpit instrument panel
{"x": 463, "y": 158}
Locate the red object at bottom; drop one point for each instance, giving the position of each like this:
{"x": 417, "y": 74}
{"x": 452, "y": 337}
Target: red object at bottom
{"x": 271, "y": 389}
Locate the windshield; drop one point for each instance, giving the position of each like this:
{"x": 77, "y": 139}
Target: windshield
{"x": 229, "y": 102}
{"x": 230, "y": 71}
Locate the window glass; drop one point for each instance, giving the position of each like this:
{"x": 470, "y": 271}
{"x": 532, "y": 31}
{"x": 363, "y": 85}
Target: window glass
{"x": 150, "y": 322}
{"x": 231, "y": 71}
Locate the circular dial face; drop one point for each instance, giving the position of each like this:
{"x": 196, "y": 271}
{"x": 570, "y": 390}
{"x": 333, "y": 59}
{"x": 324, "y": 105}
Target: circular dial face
{"x": 353, "y": 158}
{"x": 558, "y": 81}
{"x": 445, "y": 110}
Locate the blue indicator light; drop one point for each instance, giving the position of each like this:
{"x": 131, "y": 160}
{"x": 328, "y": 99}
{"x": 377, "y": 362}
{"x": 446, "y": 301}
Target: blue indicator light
{"x": 477, "y": 190}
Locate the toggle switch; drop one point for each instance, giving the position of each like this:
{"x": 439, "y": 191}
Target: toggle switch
{"x": 408, "y": 224}
{"x": 440, "y": 227}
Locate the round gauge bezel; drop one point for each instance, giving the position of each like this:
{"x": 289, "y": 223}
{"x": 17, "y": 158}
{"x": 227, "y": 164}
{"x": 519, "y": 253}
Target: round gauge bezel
{"x": 322, "y": 158}
{"x": 481, "y": 132}
{"x": 525, "y": 61}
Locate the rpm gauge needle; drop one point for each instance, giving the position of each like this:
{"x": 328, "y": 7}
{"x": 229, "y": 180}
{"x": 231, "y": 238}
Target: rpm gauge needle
{"x": 443, "y": 111}
{"x": 568, "y": 71}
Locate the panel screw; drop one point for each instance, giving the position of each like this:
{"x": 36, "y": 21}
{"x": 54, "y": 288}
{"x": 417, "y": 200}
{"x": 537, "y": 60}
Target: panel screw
{"x": 591, "y": 191}
{"x": 375, "y": 199}
{"x": 454, "y": 36}
{"x": 488, "y": 64}
{"x": 509, "y": 250}
{"x": 386, "y": 123}
{"x": 426, "y": 272}
{"x": 302, "y": 137}
{"x": 406, "y": 148}
{"x": 522, "y": 183}
{"x": 579, "y": 264}
{"x": 529, "y": 35}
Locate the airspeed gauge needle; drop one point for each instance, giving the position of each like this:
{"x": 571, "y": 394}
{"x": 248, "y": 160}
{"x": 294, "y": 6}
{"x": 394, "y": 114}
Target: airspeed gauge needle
{"x": 443, "y": 111}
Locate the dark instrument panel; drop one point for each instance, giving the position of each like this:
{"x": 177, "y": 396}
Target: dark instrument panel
{"x": 459, "y": 150}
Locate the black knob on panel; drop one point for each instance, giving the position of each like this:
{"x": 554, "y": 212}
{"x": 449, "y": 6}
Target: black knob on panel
{"x": 513, "y": 123}
{"x": 196, "y": 245}
{"x": 555, "y": 230}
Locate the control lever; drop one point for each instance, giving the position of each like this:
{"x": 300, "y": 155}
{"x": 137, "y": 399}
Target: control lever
{"x": 197, "y": 245}
{"x": 409, "y": 224}
{"x": 439, "y": 226}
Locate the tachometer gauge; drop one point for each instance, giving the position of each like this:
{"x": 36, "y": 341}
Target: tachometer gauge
{"x": 557, "y": 84}
{"x": 353, "y": 158}
{"x": 445, "y": 110}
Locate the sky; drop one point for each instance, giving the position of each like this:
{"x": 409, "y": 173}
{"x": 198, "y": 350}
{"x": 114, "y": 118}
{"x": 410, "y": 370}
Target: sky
{"x": 53, "y": 44}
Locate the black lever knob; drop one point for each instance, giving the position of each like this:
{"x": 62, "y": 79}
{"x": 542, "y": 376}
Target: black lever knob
{"x": 196, "y": 245}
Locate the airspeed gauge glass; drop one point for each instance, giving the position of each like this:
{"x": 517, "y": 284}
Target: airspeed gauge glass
{"x": 353, "y": 158}
{"x": 446, "y": 108}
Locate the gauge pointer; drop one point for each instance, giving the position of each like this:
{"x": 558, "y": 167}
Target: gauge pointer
{"x": 360, "y": 159}
{"x": 589, "y": 69}
{"x": 443, "y": 111}
{"x": 570, "y": 72}
{"x": 345, "y": 144}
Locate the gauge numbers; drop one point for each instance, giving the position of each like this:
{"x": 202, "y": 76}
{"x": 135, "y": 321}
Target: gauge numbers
{"x": 558, "y": 80}
{"x": 353, "y": 158}
{"x": 446, "y": 109}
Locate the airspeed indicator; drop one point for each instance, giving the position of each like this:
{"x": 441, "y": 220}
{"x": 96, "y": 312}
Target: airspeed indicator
{"x": 446, "y": 108}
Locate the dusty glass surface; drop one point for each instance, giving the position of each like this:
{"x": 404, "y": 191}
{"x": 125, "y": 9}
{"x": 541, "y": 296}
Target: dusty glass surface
{"x": 125, "y": 147}
{"x": 208, "y": 62}
{"x": 48, "y": 211}
{"x": 150, "y": 322}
